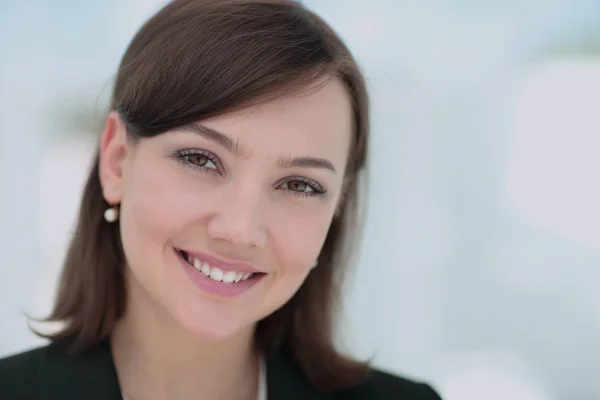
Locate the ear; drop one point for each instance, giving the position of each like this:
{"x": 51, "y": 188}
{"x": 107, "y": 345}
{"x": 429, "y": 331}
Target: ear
{"x": 112, "y": 155}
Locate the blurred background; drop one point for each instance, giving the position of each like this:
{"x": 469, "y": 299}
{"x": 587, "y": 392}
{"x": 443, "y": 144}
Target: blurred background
{"x": 479, "y": 271}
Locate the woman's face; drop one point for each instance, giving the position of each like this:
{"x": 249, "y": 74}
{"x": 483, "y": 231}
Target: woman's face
{"x": 252, "y": 191}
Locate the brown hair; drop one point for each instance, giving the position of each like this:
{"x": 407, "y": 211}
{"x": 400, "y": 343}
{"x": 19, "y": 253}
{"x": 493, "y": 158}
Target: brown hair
{"x": 200, "y": 58}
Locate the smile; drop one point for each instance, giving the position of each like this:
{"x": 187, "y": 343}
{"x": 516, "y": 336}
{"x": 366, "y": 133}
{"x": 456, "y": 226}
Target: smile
{"x": 217, "y": 277}
{"x": 216, "y": 273}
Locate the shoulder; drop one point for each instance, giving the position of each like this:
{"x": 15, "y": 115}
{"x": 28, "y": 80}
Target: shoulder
{"x": 381, "y": 385}
{"x": 286, "y": 380}
{"x": 18, "y": 372}
{"x": 52, "y": 372}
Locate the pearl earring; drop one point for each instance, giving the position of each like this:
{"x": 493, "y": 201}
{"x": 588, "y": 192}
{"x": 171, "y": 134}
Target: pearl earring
{"x": 111, "y": 214}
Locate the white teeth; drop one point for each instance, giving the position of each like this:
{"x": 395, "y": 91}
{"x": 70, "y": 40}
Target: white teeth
{"x": 229, "y": 277}
{"x": 206, "y": 269}
{"x": 216, "y": 274}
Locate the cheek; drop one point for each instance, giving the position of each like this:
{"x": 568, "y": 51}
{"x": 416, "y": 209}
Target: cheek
{"x": 298, "y": 238}
{"x": 156, "y": 209}
{"x": 160, "y": 205}
{"x": 296, "y": 241}
{"x": 149, "y": 212}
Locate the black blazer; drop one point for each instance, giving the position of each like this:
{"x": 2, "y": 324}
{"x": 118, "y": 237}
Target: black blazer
{"x": 48, "y": 373}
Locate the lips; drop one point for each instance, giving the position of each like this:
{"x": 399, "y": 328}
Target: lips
{"x": 217, "y": 277}
{"x": 218, "y": 274}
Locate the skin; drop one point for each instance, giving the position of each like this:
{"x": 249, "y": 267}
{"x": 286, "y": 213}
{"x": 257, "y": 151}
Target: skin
{"x": 181, "y": 189}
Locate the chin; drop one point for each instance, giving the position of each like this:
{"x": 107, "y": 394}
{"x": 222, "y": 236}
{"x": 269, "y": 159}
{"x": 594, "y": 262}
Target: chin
{"x": 211, "y": 323}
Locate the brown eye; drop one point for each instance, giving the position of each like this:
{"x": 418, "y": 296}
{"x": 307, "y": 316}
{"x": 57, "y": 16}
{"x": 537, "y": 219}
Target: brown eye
{"x": 298, "y": 186}
{"x": 200, "y": 160}
{"x": 197, "y": 159}
{"x": 302, "y": 187}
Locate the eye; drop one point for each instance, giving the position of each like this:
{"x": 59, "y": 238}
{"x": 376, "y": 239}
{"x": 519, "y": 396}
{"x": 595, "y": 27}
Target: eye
{"x": 198, "y": 159}
{"x": 303, "y": 187}
{"x": 298, "y": 186}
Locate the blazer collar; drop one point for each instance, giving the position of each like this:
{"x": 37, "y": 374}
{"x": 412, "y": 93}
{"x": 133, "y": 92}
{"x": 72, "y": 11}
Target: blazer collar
{"x": 286, "y": 382}
{"x": 92, "y": 376}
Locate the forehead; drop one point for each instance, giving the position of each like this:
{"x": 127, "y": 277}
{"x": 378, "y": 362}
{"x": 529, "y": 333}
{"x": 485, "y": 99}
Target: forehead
{"x": 318, "y": 121}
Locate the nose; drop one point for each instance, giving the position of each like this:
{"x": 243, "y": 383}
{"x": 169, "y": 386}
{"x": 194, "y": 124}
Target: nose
{"x": 239, "y": 218}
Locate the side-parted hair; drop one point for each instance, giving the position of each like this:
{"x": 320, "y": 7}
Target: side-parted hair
{"x": 197, "y": 59}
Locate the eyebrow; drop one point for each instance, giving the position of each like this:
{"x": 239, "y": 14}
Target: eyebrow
{"x": 235, "y": 148}
{"x": 214, "y": 136}
{"x": 307, "y": 162}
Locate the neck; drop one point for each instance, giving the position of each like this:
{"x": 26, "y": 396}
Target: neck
{"x": 156, "y": 358}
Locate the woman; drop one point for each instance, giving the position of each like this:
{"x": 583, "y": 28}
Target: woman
{"x": 214, "y": 227}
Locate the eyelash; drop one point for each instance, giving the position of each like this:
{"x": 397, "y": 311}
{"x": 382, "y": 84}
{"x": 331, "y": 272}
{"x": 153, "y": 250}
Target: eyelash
{"x": 317, "y": 189}
{"x": 181, "y": 156}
